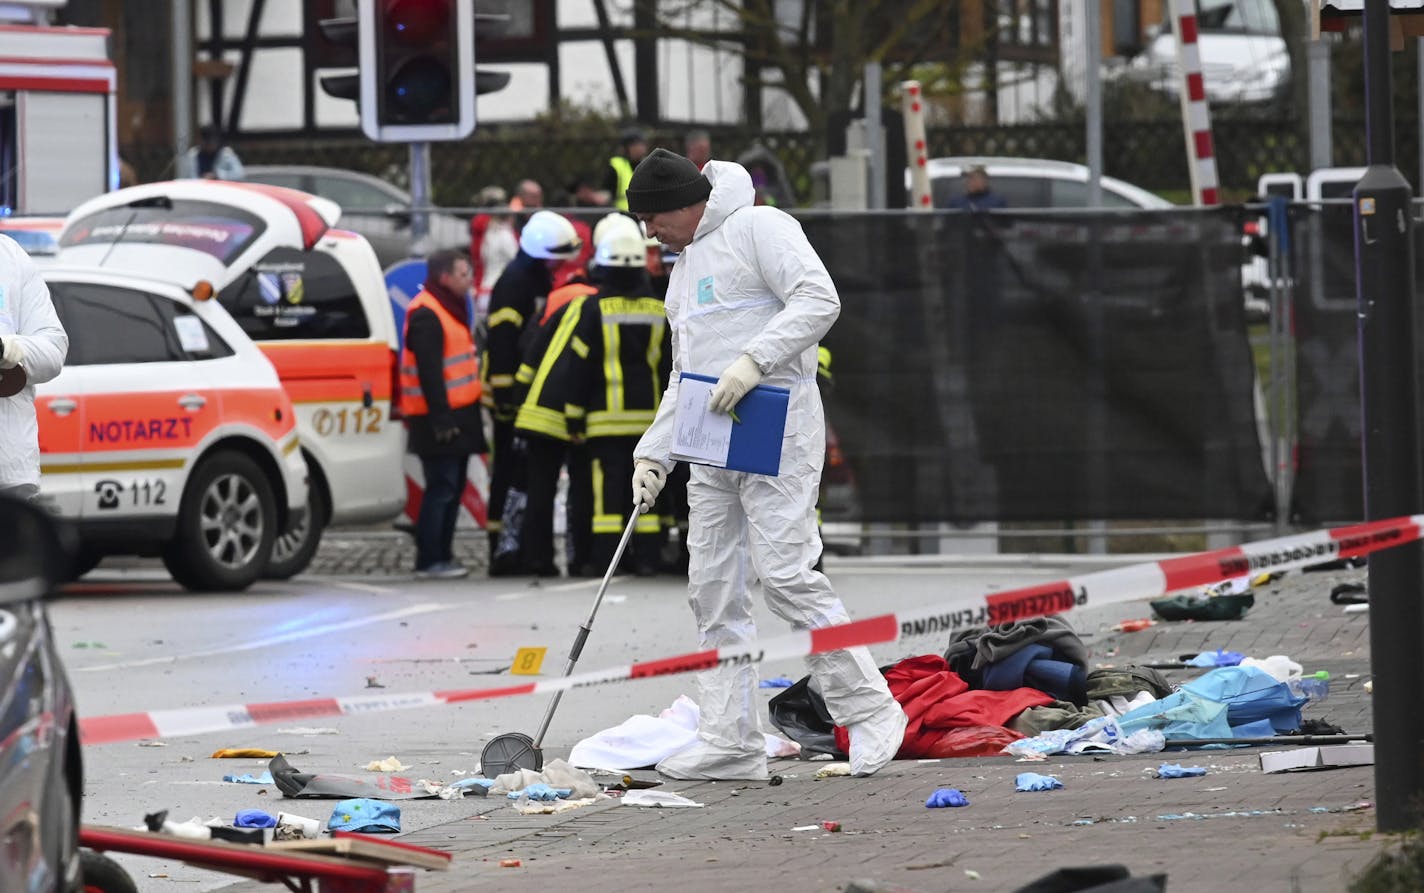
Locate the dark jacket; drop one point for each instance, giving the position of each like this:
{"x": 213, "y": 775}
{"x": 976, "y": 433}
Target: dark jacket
{"x": 515, "y": 300}
{"x": 620, "y": 352}
{"x": 426, "y": 339}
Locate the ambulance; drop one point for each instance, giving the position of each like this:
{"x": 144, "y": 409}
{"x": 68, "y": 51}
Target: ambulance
{"x": 311, "y": 297}
{"x": 167, "y": 432}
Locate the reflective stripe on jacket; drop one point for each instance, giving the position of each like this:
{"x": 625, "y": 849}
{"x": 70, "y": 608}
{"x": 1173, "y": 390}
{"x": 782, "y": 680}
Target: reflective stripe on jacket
{"x": 620, "y": 377}
{"x": 545, "y": 409}
{"x": 460, "y": 368}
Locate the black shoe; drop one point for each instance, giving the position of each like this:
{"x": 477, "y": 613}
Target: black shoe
{"x": 504, "y": 567}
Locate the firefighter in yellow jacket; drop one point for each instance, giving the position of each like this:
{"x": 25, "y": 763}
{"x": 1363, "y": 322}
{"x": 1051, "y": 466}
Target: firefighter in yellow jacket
{"x": 440, "y": 398}
{"x": 617, "y": 360}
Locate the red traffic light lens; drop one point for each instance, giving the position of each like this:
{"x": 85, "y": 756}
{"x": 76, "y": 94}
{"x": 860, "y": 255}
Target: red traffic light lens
{"x": 417, "y": 22}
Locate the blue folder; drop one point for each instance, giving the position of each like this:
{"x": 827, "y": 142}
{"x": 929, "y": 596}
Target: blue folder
{"x": 756, "y": 438}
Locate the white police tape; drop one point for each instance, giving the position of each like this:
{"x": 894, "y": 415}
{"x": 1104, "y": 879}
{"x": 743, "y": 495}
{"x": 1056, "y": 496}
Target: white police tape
{"x": 1132, "y": 583}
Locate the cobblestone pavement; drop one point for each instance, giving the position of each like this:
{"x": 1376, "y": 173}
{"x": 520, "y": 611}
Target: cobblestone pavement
{"x": 1233, "y": 829}
{"x": 380, "y": 552}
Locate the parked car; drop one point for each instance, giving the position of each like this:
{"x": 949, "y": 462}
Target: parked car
{"x": 312, "y": 298}
{"x": 369, "y": 206}
{"x": 1026, "y": 183}
{"x": 41, "y": 767}
{"x": 167, "y": 432}
{"x": 1243, "y": 55}
{"x": 1033, "y": 183}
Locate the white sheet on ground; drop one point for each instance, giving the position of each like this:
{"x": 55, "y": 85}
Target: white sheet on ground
{"x": 642, "y": 740}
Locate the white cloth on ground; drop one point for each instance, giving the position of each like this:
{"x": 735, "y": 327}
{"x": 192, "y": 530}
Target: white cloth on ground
{"x": 644, "y": 740}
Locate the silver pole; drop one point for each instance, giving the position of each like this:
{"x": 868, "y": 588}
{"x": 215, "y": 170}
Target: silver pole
{"x": 1318, "y": 86}
{"x": 419, "y": 197}
{"x": 182, "y": 77}
{"x": 874, "y": 136}
{"x": 1093, "y": 100}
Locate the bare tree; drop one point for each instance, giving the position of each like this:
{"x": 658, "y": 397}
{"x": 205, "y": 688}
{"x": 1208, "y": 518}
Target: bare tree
{"x": 826, "y": 43}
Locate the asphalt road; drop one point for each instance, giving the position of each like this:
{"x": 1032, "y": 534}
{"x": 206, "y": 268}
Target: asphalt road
{"x": 133, "y": 641}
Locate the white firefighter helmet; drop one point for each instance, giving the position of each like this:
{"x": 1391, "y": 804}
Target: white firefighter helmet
{"x": 621, "y": 246}
{"x": 610, "y": 222}
{"x": 549, "y": 236}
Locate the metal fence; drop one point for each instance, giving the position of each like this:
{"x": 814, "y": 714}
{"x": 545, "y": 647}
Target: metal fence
{"x": 1149, "y": 154}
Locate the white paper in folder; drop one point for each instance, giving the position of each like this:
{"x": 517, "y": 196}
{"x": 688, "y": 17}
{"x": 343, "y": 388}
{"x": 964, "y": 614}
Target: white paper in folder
{"x": 698, "y": 433}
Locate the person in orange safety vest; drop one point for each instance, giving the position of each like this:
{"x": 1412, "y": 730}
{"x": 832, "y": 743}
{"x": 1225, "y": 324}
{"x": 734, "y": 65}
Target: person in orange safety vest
{"x": 440, "y": 398}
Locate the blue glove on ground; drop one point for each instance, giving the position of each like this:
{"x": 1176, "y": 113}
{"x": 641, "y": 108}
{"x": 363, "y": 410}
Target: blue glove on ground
{"x": 1177, "y": 770}
{"x": 946, "y": 797}
{"x": 541, "y": 791}
{"x": 1032, "y": 781}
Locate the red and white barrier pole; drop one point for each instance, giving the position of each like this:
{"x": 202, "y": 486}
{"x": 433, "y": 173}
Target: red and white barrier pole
{"x": 1196, "y": 118}
{"x": 912, "y": 106}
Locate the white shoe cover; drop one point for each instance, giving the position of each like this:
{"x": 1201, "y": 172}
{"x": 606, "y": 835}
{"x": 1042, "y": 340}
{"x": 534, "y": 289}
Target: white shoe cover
{"x": 704, "y": 762}
{"x": 874, "y": 742}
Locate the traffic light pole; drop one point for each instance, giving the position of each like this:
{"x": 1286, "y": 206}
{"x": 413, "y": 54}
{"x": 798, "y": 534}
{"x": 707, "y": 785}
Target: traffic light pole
{"x": 419, "y": 198}
{"x": 1389, "y": 389}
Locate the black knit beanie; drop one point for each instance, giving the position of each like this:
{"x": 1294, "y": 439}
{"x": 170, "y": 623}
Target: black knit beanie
{"x": 665, "y": 181}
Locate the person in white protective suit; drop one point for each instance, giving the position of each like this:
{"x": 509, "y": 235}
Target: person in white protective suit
{"x": 33, "y": 346}
{"x": 748, "y": 301}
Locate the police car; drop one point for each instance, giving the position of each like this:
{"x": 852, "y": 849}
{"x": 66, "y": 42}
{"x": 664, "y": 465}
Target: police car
{"x": 312, "y": 298}
{"x": 167, "y": 432}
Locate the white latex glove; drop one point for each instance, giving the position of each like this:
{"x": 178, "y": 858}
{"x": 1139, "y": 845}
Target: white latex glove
{"x": 12, "y": 352}
{"x": 736, "y": 380}
{"x": 648, "y": 480}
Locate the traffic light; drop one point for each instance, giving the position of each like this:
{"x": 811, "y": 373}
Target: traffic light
{"x": 417, "y": 69}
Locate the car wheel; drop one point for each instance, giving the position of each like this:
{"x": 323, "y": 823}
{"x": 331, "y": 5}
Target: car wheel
{"x": 295, "y": 546}
{"x": 226, "y": 525}
{"x": 103, "y": 875}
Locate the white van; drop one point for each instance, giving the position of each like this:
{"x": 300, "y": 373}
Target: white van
{"x": 1243, "y": 55}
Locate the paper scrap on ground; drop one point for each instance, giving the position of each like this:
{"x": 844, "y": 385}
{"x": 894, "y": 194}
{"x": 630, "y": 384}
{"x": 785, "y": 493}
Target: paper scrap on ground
{"x": 833, "y": 770}
{"x": 698, "y": 433}
{"x": 665, "y": 799}
{"x": 249, "y": 778}
{"x": 533, "y": 807}
{"x": 228, "y": 753}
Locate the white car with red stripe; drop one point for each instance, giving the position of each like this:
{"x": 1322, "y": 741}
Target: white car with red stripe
{"x": 314, "y": 300}
{"x": 167, "y": 432}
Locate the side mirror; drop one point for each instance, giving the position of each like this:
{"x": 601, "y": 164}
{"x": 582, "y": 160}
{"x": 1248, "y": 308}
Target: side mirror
{"x": 34, "y": 553}
{"x": 400, "y": 214}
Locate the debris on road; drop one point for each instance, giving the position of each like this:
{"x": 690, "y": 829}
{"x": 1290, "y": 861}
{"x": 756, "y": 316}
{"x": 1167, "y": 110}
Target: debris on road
{"x": 945, "y": 797}
{"x": 389, "y": 764}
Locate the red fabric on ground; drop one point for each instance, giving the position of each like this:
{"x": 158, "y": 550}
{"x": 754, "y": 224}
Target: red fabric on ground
{"x": 946, "y": 717}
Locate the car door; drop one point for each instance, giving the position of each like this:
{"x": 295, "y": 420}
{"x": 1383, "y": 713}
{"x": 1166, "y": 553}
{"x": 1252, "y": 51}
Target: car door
{"x": 144, "y": 405}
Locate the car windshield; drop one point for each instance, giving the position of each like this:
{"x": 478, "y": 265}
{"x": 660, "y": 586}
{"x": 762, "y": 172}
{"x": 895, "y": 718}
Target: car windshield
{"x": 220, "y": 231}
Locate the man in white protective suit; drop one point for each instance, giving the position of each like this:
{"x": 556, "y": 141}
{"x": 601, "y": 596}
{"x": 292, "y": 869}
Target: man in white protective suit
{"x": 33, "y": 346}
{"x": 748, "y": 301}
